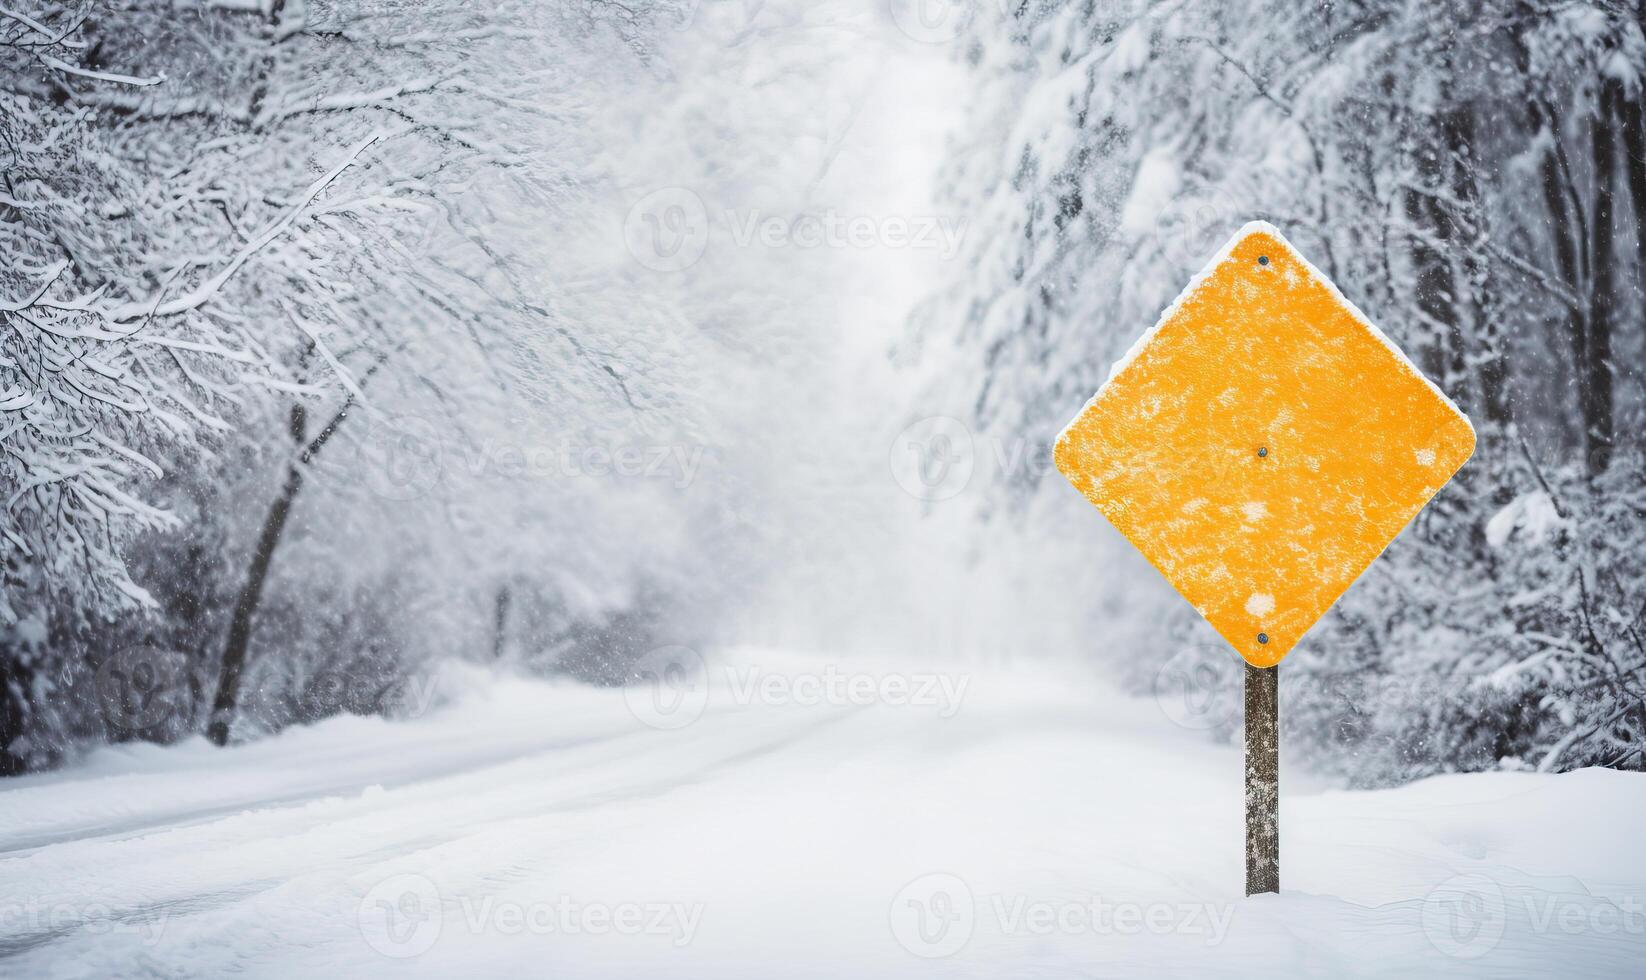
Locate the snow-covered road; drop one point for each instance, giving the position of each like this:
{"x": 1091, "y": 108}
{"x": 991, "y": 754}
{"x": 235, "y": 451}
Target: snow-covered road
{"x": 812, "y": 818}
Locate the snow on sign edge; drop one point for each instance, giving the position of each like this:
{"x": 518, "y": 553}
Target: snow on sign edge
{"x": 1356, "y": 314}
{"x": 1246, "y": 231}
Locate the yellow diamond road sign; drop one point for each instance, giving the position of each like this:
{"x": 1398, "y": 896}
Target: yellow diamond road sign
{"x": 1263, "y": 444}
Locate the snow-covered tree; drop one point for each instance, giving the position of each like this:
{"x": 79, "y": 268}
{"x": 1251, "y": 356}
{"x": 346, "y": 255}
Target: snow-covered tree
{"x": 257, "y": 248}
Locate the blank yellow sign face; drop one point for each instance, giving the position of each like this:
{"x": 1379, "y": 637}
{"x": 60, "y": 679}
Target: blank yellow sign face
{"x": 1263, "y": 444}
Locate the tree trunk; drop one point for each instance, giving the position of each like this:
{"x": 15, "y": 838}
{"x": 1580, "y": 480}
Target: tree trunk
{"x": 15, "y": 681}
{"x": 251, "y": 593}
{"x": 245, "y": 606}
{"x": 1435, "y": 242}
{"x": 1634, "y": 166}
{"x": 503, "y": 597}
{"x": 1597, "y": 365}
{"x": 1487, "y": 328}
{"x": 1436, "y": 288}
{"x": 1567, "y": 228}
{"x": 1634, "y": 146}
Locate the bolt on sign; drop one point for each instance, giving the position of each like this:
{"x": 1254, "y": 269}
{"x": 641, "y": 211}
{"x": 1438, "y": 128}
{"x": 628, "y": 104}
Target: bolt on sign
{"x": 1261, "y": 445}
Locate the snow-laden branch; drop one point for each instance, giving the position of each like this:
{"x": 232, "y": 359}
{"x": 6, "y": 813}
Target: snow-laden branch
{"x": 102, "y": 76}
{"x": 50, "y": 277}
{"x": 203, "y": 293}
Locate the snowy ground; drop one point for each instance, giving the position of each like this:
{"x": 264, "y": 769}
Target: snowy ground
{"x": 809, "y": 819}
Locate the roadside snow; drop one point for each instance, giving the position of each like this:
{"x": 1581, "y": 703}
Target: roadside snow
{"x": 805, "y": 818}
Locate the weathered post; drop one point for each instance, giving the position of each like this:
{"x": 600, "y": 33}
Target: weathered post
{"x": 1262, "y": 779}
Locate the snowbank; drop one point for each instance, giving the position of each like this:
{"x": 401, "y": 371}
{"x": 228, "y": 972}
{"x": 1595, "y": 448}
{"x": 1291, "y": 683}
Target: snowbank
{"x": 804, "y": 818}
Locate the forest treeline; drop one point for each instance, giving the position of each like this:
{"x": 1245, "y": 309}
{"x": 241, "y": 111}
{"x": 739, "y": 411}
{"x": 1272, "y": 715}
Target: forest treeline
{"x": 295, "y": 294}
{"x": 1471, "y": 174}
{"x": 276, "y": 326}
